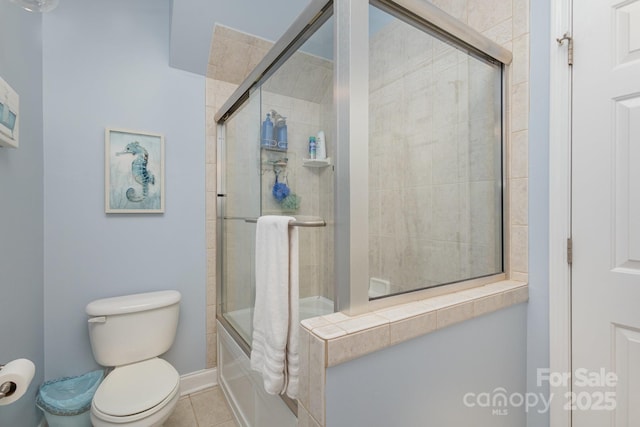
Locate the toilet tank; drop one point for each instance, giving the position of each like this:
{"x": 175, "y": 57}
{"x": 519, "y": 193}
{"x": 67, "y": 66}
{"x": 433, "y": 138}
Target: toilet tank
{"x": 132, "y": 328}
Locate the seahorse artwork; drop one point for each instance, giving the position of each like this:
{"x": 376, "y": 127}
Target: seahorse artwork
{"x": 139, "y": 170}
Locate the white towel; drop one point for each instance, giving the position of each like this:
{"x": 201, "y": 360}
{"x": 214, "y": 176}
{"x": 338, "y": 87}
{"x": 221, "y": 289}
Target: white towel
{"x": 274, "y": 347}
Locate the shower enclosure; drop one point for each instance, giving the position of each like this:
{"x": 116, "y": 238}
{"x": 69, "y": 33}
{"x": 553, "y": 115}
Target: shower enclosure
{"x": 410, "y": 195}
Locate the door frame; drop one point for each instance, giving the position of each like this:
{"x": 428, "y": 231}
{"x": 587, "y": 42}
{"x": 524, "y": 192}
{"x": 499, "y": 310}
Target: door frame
{"x": 559, "y": 207}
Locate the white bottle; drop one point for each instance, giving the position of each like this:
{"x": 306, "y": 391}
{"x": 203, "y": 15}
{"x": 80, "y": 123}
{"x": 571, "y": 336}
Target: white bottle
{"x": 321, "y": 146}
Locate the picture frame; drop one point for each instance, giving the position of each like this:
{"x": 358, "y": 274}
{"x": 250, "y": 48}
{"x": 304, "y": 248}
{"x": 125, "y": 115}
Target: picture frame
{"x": 9, "y": 115}
{"x": 134, "y": 171}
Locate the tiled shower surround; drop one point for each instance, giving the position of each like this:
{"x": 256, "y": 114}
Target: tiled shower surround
{"x": 434, "y": 173}
{"x": 507, "y": 23}
{"x": 504, "y": 21}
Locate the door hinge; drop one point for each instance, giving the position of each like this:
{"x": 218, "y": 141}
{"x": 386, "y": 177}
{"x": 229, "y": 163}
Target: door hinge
{"x": 570, "y": 251}
{"x": 569, "y": 40}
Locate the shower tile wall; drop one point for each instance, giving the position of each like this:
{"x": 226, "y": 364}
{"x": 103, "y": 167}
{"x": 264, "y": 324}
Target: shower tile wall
{"x": 507, "y": 23}
{"x": 216, "y": 93}
{"x": 426, "y": 174}
{"x": 215, "y": 96}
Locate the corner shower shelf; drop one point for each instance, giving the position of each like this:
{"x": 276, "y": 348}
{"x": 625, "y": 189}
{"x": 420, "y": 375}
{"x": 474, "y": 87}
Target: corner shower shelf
{"x": 316, "y": 163}
{"x": 282, "y": 163}
{"x": 280, "y": 150}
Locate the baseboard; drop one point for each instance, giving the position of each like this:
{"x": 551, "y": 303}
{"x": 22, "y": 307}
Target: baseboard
{"x": 199, "y": 380}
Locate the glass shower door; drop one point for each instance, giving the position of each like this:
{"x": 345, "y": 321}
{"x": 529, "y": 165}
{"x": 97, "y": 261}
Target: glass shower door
{"x": 299, "y": 96}
{"x": 241, "y": 188}
{"x": 270, "y": 172}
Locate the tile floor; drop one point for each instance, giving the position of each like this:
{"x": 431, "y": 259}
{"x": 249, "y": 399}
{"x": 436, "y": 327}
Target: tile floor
{"x": 206, "y": 408}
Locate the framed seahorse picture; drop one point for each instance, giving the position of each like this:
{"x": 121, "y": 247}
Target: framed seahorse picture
{"x": 134, "y": 171}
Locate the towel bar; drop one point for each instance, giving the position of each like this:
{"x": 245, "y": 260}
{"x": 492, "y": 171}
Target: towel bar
{"x": 301, "y": 222}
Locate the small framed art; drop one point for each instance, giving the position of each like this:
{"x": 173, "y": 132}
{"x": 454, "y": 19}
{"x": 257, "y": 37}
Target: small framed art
{"x": 134, "y": 172}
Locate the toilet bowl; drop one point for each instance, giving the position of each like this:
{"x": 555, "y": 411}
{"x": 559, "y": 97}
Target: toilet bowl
{"x": 142, "y": 394}
{"x": 128, "y": 333}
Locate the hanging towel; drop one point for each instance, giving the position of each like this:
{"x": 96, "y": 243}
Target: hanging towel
{"x": 274, "y": 347}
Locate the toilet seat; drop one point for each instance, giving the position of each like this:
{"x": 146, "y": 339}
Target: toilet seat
{"x": 136, "y": 391}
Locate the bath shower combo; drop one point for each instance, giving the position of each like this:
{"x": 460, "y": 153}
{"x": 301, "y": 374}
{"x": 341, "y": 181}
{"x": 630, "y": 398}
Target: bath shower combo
{"x": 410, "y": 104}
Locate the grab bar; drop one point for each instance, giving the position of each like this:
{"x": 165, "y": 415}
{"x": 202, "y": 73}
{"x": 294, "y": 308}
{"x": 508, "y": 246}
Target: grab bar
{"x": 310, "y": 222}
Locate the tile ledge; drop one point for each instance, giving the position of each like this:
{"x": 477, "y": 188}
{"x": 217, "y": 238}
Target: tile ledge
{"x": 478, "y": 301}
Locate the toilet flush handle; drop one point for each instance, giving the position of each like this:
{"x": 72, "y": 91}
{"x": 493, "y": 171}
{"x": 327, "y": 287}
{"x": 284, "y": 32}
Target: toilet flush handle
{"x": 99, "y": 319}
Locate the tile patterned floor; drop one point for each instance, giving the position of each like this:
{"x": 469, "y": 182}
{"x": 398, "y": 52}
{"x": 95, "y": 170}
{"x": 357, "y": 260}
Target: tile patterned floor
{"x": 207, "y": 408}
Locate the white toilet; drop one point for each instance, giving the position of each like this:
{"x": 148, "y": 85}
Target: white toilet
{"x": 129, "y": 333}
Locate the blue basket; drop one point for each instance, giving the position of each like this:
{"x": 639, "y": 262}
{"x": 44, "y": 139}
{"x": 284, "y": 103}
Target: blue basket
{"x": 69, "y": 395}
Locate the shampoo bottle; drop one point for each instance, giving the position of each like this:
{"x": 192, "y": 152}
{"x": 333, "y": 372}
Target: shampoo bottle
{"x": 281, "y": 133}
{"x": 267, "y": 132}
{"x": 321, "y": 147}
{"x": 312, "y": 147}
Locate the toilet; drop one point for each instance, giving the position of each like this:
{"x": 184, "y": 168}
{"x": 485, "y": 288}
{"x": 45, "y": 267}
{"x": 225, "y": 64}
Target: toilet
{"x": 128, "y": 333}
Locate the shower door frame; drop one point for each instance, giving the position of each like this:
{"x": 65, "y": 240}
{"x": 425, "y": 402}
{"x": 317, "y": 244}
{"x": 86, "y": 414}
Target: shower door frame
{"x": 351, "y": 98}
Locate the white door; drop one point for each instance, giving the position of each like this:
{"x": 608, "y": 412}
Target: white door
{"x": 606, "y": 213}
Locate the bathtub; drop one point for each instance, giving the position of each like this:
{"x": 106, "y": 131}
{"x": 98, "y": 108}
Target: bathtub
{"x": 250, "y": 403}
{"x": 309, "y": 307}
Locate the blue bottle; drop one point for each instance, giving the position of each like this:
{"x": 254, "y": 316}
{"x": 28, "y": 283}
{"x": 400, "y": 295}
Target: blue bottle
{"x": 267, "y": 132}
{"x": 281, "y": 133}
{"x": 312, "y": 147}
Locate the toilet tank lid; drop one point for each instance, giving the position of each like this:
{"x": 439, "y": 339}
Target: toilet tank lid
{"x": 132, "y": 303}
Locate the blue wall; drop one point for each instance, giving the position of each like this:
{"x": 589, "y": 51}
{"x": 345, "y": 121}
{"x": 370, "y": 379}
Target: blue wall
{"x": 21, "y": 208}
{"x": 106, "y": 64}
{"x": 423, "y": 382}
{"x": 538, "y": 309}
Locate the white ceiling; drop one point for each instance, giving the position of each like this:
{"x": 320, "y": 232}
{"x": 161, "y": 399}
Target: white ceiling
{"x": 192, "y": 25}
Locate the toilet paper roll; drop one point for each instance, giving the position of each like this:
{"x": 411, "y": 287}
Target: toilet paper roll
{"x": 19, "y": 372}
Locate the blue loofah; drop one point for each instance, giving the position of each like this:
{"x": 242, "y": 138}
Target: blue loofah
{"x": 280, "y": 191}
